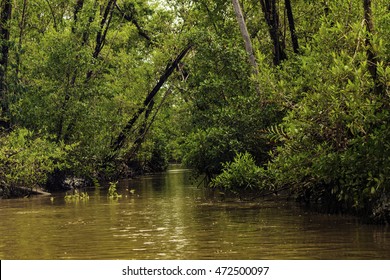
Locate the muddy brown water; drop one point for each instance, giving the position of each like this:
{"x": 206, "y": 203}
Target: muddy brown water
{"x": 166, "y": 216}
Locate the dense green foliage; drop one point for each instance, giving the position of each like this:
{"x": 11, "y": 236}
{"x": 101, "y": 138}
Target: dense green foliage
{"x": 333, "y": 142}
{"x": 319, "y": 126}
{"x": 77, "y": 71}
{"x": 240, "y": 176}
{"x": 109, "y": 88}
{"x": 26, "y": 159}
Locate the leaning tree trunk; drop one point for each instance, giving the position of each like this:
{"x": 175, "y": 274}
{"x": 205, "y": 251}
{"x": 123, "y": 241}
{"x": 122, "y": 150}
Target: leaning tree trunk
{"x": 245, "y": 36}
{"x": 120, "y": 140}
{"x": 247, "y": 40}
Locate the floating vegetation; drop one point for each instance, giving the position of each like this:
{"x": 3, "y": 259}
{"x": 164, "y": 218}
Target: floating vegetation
{"x": 112, "y": 193}
{"x": 131, "y": 191}
{"x": 76, "y": 196}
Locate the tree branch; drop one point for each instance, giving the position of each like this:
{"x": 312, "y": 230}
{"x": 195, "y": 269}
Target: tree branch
{"x": 127, "y": 17}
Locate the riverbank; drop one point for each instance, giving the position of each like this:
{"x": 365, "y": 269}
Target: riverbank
{"x": 17, "y": 192}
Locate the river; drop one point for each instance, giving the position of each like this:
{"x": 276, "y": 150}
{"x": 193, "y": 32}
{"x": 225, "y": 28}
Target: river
{"x": 166, "y": 216}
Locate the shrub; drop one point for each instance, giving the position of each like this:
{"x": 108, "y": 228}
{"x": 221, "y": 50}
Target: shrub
{"x": 334, "y": 141}
{"x": 26, "y": 159}
{"x": 239, "y": 175}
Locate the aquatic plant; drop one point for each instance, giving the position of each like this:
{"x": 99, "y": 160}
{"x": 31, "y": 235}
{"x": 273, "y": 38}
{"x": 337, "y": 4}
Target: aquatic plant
{"x": 112, "y": 193}
{"x": 76, "y": 196}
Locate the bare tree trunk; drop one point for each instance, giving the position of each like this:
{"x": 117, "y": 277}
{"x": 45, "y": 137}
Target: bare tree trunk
{"x": 291, "y": 23}
{"x": 272, "y": 19}
{"x": 5, "y": 18}
{"x": 245, "y": 36}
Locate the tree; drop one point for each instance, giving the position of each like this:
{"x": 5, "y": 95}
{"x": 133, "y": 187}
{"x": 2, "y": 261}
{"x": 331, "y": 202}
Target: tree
{"x": 5, "y": 18}
{"x": 22, "y": 27}
{"x": 245, "y": 36}
{"x": 331, "y": 149}
{"x": 119, "y": 142}
{"x": 291, "y": 23}
{"x": 271, "y": 16}
{"x": 130, "y": 15}
{"x": 372, "y": 60}
{"x": 101, "y": 35}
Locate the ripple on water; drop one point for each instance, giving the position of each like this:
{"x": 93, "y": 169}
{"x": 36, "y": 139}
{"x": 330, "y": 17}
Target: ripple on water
{"x": 172, "y": 219}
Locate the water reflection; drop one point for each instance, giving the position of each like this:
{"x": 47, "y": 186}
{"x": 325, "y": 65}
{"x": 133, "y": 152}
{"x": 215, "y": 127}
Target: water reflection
{"x": 164, "y": 216}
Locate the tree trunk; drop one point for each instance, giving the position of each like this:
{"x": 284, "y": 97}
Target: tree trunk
{"x": 55, "y": 25}
{"x": 104, "y": 24}
{"x": 5, "y": 18}
{"x": 102, "y": 33}
{"x": 142, "y": 132}
{"x": 64, "y": 133}
{"x": 272, "y": 19}
{"x": 77, "y": 8}
{"x": 120, "y": 140}
{"x": 291, "y": 23}
{"x": 22, "y": 25}
{"x": 371, "y": 56}
{"x": 245, "y": 36}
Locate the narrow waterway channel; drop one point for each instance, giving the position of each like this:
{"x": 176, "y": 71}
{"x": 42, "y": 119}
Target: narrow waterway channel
{"x": 165, "y": 216}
